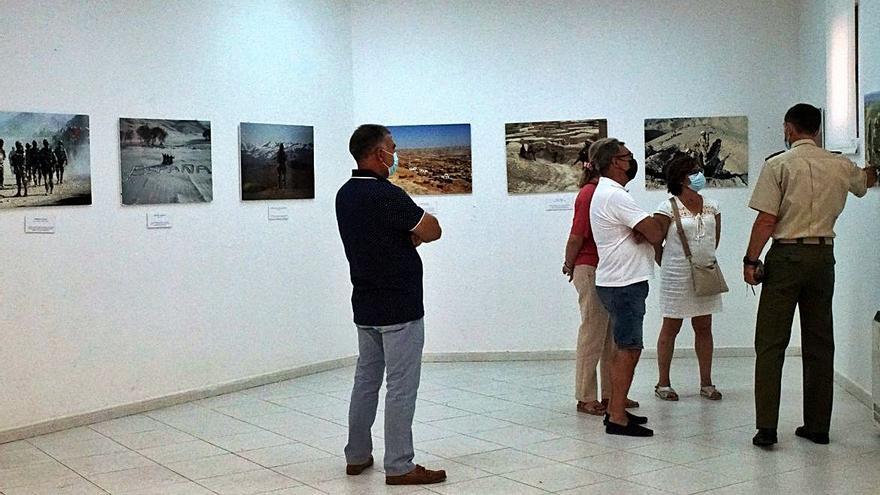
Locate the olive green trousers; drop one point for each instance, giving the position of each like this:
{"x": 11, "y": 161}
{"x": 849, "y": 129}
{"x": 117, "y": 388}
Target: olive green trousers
{"x": 797, "y": 276}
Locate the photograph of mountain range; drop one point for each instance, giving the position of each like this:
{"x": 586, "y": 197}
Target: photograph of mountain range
{"x": 277, "y": 161}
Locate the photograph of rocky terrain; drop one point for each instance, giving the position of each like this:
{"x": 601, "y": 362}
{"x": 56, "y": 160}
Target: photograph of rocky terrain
{"x": 547, "y": 157}
{"x": 277, "y": 161}
{"x": 434, "y": 159}
{"x": 165, "y": 161}
{"x": 720, "y": 145}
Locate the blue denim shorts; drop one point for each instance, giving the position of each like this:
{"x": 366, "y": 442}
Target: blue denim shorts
{"x": 626, "y": 307}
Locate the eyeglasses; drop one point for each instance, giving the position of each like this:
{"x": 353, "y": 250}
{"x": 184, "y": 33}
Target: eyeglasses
{"x": 626, "y": 156}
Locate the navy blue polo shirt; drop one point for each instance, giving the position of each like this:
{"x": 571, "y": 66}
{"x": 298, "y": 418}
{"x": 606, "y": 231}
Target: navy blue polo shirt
{"x": 375, "y": 220}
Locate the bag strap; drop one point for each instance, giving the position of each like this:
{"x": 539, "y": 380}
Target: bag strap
{"x": 684, "y": 241}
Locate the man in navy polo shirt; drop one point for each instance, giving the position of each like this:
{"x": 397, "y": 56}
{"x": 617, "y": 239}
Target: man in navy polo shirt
{"x": 381, "y": 227}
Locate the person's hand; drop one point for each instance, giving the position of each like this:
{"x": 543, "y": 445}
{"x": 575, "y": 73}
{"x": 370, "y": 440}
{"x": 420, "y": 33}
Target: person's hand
{"x": 568, "y": 270}
{"x": 749, "y": 275}
{"x": 416, "y": 240}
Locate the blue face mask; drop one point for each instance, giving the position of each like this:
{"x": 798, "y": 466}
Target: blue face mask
{"x": 698, "y": 181}
{"x": 394, "y": 162}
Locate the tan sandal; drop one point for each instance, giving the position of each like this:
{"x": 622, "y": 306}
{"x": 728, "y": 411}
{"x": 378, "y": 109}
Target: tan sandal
{"x": 710, "y": 392}
{"x": 594, "y": 408}
{"x": 666, "y": 393}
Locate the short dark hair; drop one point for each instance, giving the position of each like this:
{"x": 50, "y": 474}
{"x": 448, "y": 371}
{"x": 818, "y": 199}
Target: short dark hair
{"x": 804, "y": 117}
{"x": 677, "y": 169}
{"x": 365, "y": 139}
{"x": 602, "y": 153}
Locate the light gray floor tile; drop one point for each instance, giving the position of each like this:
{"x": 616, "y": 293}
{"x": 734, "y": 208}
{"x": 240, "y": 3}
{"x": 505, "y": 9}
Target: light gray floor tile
{"x": 556, "y": 477}
{"x": 128, "y": 424}
{"x": 503, "y": 461}
{"x": 182, "y": 452}
{"x": 284, "y": 454}
{"x": 107, "y": 463}
{"x": 248, "y": 483}
{"x": 208, "y": 467}
{"x": 681, "y": 480}
{"x": 149, "y": 477}
{"x": 496, "y": 427}
{"x": 250, "y": 441}
{"x": 69, "y": 486}
{"x": 33, "y": 474}
{"x": 495, "y": 485}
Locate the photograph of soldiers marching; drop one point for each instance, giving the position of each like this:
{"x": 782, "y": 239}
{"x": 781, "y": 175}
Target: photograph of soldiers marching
{"x": 44, "y": 160}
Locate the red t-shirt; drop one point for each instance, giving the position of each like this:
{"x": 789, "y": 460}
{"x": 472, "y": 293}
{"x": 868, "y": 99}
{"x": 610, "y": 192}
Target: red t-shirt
{"x": 588, "y": 254}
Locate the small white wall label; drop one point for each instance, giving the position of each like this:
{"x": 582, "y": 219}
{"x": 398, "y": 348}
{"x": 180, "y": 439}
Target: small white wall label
{"x": 39, "y": 224}
{"x": 278, "y": 213}
{"x": 560, "y": 203}
{"x": 158, "y": 221}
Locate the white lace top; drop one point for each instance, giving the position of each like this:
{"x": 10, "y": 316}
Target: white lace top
{"x": 677, "y": 298}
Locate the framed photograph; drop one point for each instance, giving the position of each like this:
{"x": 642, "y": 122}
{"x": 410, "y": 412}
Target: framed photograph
{"x": 548, "y": 157}
{"x": 277, "y": 161}
{"x": 720, "y": 145}
{"x": 434, "y": 159}
{"x": 165, "y": 161}
{"x": 44, "y": 160}
{"x": 872, "y": 128}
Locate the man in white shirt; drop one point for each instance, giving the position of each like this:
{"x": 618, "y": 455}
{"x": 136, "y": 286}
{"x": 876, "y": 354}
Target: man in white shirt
{"x": 626, "y": 262}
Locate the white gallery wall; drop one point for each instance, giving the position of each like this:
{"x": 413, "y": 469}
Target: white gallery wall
{"x": 857, "y": 293}
{"x": 105, "y": 312}
{"x": 493, "y": 283}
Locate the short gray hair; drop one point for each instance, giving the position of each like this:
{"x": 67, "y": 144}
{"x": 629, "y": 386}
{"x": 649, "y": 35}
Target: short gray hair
{"x": 602, "y": 153}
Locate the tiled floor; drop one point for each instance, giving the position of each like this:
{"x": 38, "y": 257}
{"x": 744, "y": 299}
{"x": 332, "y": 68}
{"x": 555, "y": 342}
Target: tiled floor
{"x": 497, "y": 428}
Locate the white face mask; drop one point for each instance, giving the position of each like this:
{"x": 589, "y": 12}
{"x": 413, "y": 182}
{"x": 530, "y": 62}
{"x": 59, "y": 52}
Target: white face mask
{"x": 394, "y": 162}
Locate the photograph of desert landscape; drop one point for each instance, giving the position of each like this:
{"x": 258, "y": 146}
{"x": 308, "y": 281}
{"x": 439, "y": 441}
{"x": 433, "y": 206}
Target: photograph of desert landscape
{"x": 434, "y": 159}
{"x": 872, "y": 128}
{"x": 547, "y": 157}
{"x": 277, "y": 161}
{"x": 165, "y": 161}
{"x": 720, "y": 145}
{"x": 44, "y": 160}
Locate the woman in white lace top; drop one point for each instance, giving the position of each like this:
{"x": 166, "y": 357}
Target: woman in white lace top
{"x": 701, "y": 220}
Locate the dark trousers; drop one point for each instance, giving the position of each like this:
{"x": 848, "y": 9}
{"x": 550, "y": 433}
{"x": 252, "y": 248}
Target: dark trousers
{"x": 799, "y": 276}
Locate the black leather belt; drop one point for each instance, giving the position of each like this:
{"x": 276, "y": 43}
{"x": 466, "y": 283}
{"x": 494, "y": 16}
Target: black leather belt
{"x": 818, "y": 241}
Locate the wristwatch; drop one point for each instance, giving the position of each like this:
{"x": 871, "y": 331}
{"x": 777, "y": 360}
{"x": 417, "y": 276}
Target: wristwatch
{"x": 749, "y": 262}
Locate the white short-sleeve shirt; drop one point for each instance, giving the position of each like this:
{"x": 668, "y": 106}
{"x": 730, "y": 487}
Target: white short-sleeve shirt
{"x": 613, "y": 214}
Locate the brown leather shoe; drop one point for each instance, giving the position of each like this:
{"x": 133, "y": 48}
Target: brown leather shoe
{"x": 418, "y": 476}
{"x": 356, "y": 469}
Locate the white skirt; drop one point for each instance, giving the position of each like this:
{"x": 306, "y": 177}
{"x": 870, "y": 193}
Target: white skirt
{"x": 677, "y": 298}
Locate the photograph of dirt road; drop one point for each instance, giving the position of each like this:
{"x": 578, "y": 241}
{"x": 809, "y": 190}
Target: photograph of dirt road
{"x": 165, "y": 161}
{"x": 720, "y": 145}
{"x": 44, "y": 160}
{"x": 434, "y": 159}
{"x": 547, "y": 157}
{"x": 277, "y": 161}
